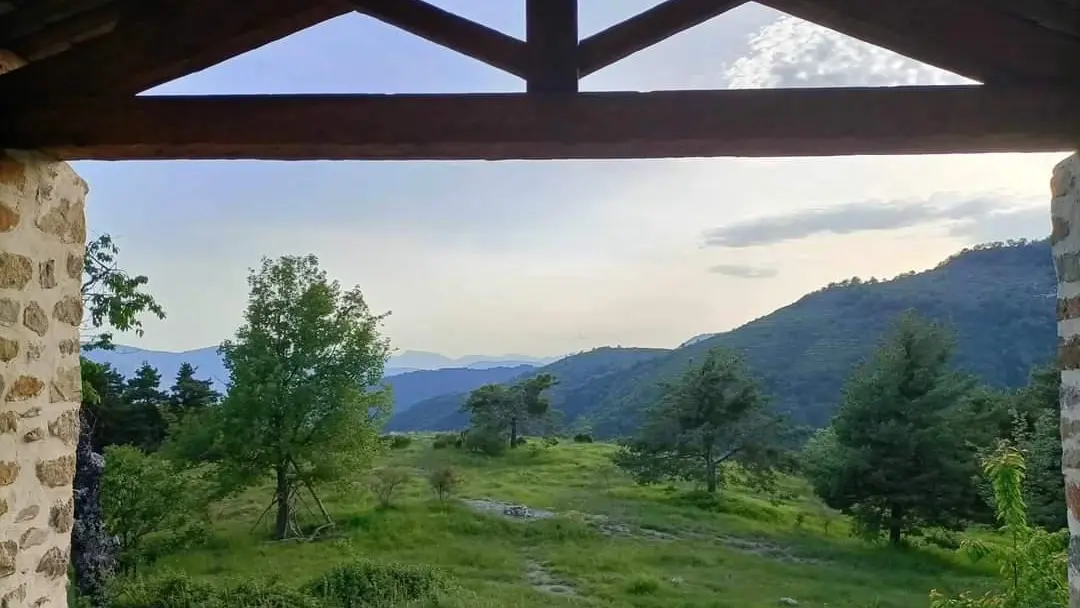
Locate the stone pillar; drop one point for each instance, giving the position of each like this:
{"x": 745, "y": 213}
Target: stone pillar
{"x": 42, "y": 240}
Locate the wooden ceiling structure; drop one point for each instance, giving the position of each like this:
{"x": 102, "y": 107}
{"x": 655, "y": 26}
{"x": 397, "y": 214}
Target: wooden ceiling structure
{"x": 84, "y": 62}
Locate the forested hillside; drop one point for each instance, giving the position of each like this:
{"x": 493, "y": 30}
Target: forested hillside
{"x": 577, "y": 375}
{"x": 999, "y": 299}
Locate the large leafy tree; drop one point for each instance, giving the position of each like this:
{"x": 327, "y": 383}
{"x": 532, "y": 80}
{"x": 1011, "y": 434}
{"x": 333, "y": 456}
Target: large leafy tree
{"x": 510, "y": 410}
{"x": 305, "y": 401}
{"x": 897, "y": 456}
{"x": 715, "y": 413}
{"x": 143, "y": 408}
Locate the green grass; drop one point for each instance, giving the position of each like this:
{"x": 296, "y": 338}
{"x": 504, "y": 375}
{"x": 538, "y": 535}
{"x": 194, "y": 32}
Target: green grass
{"x": 744, "y": 551}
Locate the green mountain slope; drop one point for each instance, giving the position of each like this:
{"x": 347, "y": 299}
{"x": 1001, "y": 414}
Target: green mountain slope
{"x": 578, "y": 374}
{"x": 999, "y": 298}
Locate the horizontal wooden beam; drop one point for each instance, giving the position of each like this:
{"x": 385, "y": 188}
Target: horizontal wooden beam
{"x": 646, "y": 29}
{"x": 449, "y": 30}
{"x": 972, "y": 38}
{"x": 768, "y": 122}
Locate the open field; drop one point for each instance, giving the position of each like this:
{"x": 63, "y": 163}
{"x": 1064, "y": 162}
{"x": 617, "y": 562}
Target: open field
{"x": 609, "y": 542}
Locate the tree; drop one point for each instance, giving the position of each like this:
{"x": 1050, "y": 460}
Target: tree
{"x": 715, "y": 413}
{"x": 510, "y": 409}
{"x": 112, "y": 297}
{"x": 189, "y": 394}
{"x": 900, "y": 458}
{"x": 144, "y": 401}
{"x": 305, "y": 401}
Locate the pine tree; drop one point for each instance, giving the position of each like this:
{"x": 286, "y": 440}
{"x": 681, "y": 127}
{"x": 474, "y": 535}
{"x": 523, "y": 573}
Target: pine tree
{"x": 144, "y": 426}
{"x": 189, "y": 394}
{"x": 900, "y": 459}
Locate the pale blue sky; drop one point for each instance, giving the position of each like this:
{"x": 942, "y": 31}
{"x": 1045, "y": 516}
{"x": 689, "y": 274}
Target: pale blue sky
{"x": 552, "y": 257}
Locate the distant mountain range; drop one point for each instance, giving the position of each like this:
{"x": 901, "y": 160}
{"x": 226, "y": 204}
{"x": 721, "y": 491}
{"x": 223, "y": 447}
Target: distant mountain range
{"x": 1000, "y": 299}
{"x": 414, "y": 375}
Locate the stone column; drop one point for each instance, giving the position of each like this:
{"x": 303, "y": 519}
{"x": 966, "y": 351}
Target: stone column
{"x": 42, "y": 241}
{"x": 1065, "y": 240}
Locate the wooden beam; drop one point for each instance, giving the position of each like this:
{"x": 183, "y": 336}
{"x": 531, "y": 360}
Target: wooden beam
{"x": 767, "y": 122}
{"x": 646, "y": 29}
{"x": 34, "y": 16}
{"x": 157, "y": 41}
{"x": 551, "y": 33}
{"x": 452, "y": 31}
{"x": 967, "y": 37}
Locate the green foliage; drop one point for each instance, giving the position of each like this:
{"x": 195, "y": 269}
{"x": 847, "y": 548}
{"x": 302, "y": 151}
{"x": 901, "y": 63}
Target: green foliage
{"x": 368, "y": 583}
{"x": 144, "y": 421}
{"x": 189, "y": 394}
{"x": 444, "y": 481}
{"x": 896, "y": 458}
{"x": 713, "y": 415}
{"x": 387, "y": 481}
{"x": 486, "y": 441}
{"x": 397, "y": 441}
{"x": 510, "y": 410}
{"x": 151, "y": 505}
{"x": 1033, "y": 563}
{"x": 305, "y": 400}
{"x": 176, "y": 590}
{"x": 446, "y": 440}
{"x": 112, "y": 297}
{"x": 583, "y": 438}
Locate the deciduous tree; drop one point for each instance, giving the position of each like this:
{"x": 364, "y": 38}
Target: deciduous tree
{"x": 305, "y": 401}
{"x": 508, "y": 410}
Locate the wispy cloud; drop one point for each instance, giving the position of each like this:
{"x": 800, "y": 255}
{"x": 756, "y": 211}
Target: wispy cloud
{"x": 743, "y": 272}
{"x": 965, "y": 213}
{"x": 794, "y": 53}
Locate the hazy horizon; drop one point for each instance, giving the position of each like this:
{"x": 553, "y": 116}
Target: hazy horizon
{"x": 549, "y": 258}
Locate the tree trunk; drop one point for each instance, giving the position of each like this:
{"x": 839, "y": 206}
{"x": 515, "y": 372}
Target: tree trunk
{"x": 895, "y": 518}
{"x": 513, "y": 433}
{"x": 710, "y": 474}
{"x": 281, "y": 494}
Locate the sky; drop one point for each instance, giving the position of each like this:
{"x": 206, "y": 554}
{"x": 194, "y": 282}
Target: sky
{"x": 553, "y": 257}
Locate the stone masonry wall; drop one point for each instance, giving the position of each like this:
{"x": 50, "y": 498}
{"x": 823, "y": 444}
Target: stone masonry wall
{"x": 42, "y": 240}
{"x": 1065, "y": 239}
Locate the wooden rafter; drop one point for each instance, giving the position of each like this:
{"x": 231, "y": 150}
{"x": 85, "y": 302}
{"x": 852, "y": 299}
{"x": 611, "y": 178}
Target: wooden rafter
{"x": 449, "y": 30}
{"x": 972, "y": 38}
{"x": 646, "y": 29}
{"x": 551, "y": 33}
{"x": 156, "y": 41}
{"x": 772, "y": 122}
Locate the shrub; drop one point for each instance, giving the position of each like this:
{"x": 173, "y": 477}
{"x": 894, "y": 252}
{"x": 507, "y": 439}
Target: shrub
{"x": 385, "y": 482}
{"x": 643, "y": 586}
{"x": 487, "y": 442}
{"x": 444, "y": 481}
{"x": 151, "y": 505}
{"x": 551, "y": 441}
{"x": 367, "y": 583}
{"x": 582, "y": 438}
{"x": 175, "y": 590}
{"x": 446, "y": 440}
{"x": 397, "y": 442}
{"x": 1033, "y": 563}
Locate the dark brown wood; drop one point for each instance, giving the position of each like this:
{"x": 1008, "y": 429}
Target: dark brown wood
{"x": 1059, "y": 15}
{"x": 65, "y": 34}
{"x": 646, "y": 29}
{"x": 972, "y": 38}
{"x": 551, "y": 33}
{"x": 451, "y": 31}
{"x": 771, "y": 122}
{"x": 37, "y": 15}
{"x": 161, "y": 40}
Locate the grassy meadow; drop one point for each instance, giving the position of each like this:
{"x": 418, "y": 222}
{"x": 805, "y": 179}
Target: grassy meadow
{"x": 610, "y": 542}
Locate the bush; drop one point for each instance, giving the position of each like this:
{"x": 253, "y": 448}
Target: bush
{"x": 367, "y": 583}
{"x": 446, "y": 440}
{"x": 151, "y": 505}
{"x": 551, "y": 441}
{"x": 175, "y": 590}
{"x": 487, "y": 442}
{"x": 582, "y": 438}
{"x": 385, "y": 482}
{"x": 444, "y": 481}
{"x": 396, "y": 442}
